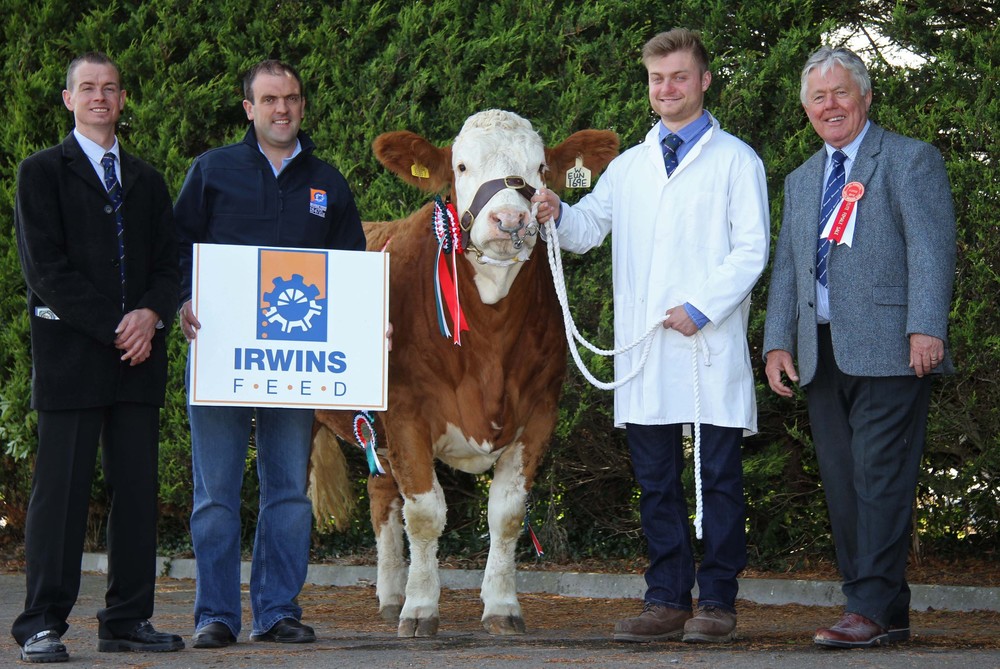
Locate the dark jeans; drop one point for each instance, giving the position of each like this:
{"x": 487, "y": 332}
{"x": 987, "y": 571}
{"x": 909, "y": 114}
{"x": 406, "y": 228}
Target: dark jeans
{"x": 658, "y": 460}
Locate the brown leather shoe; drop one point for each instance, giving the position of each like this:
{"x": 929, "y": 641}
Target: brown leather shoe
{"x": 655, "y": 623}
{"x": 710, "y": 625}
{"x": 852, "y": 631}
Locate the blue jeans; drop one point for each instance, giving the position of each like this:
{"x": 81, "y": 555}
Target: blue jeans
{"x": 658, "y": 460}
{"x": 219, "y": 440}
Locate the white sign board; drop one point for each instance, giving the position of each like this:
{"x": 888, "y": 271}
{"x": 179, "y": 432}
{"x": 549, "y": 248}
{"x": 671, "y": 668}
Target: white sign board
{"x": 295, "y": 328}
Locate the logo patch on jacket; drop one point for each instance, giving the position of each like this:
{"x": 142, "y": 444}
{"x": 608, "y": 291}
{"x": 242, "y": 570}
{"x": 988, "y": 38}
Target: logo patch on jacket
{"x": 317, "y": 202}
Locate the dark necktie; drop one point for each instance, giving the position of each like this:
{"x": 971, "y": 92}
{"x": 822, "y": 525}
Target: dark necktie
{"x": 831, "y": 198}
{"x": 115, "y": 195}
{"x": 670, "y": 144}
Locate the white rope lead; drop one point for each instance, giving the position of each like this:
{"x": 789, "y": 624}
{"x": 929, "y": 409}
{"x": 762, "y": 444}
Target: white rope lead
{"x": 699, "y": 506}
{"x": 573, "y": 335}
{"x": 555, "y": 262}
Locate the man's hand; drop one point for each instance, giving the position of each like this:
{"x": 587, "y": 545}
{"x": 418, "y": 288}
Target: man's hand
{"x": 189, "y": 322}
{"x": 780, "y": 362}
{"x": 926, "y": 353}
{"x": 135, "y": 335}
{"x": 549, "y": 205}
{"x": 677, "y": 319}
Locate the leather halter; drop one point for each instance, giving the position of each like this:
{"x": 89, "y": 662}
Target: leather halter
{"x": 485, "y": 193}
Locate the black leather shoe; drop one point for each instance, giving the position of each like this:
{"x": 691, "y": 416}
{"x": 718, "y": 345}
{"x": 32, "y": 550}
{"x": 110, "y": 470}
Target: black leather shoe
{"x": 142, "y": 638}
{"x": 287, "y": 630}
{"x": 44, "y": 647}
{"x": 899, "y": 628}
{"x": 214, "y": 635}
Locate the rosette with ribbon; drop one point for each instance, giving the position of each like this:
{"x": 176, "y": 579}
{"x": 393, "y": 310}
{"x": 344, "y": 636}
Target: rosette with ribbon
{"x": 449, "y": 237}
{"x": 364, "y": 433}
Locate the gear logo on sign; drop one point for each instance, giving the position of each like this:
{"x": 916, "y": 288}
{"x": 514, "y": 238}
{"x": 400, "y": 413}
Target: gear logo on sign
{"x": 292, "y": 302}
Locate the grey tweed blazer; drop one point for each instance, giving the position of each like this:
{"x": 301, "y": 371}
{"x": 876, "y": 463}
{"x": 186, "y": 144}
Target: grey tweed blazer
{"x": 896, "y": 279}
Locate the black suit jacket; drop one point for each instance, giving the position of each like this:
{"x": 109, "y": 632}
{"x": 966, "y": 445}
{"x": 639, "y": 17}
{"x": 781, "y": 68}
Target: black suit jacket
{"x": 68, "y": 247}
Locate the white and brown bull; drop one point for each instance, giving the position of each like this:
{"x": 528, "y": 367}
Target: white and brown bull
{"x": 491, "y": 402}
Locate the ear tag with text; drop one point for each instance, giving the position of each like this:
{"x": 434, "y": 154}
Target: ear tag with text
{"x": 420, "y": 171}
{"x": 578, "y": 176}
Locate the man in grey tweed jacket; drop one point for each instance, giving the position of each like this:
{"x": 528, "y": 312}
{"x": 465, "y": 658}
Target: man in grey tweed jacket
{"x": 869, "y": 329}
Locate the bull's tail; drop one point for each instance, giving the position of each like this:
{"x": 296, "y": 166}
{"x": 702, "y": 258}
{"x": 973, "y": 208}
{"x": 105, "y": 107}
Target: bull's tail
{"x": 330, "y": 488}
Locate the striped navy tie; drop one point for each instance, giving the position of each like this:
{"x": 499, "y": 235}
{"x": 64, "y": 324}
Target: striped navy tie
{"x": 831, "y": 198}
{"x": 115, "y": 195}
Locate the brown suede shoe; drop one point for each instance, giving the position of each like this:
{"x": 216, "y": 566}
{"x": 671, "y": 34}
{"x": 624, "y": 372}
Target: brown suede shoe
{"x": 710, "y": 625}
{"x": 852, "y": 631}
{"x": 655, "y": 623}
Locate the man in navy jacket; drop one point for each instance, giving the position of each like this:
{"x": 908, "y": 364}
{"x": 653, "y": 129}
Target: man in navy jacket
{"x": 263, "y": 192}
{"x": 96, "y": 238}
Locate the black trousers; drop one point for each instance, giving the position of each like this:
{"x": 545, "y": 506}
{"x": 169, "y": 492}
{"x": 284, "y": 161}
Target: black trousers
{"x": 869, "y": 438}
{"x": 128, "y": 434}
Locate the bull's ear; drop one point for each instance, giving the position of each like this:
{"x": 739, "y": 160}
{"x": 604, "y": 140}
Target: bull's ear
{"x": 596, "y": 147}
{"x": 414, "y": 160}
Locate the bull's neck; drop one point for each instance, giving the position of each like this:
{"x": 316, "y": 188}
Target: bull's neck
{"x": 492, "y": 281}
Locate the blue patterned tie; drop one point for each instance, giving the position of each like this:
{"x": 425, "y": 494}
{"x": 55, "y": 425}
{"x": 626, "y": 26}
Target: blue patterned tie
{"x": 670, "y": 144}
{"x": 115, "y": 195}
{"x": 831, "y": 198}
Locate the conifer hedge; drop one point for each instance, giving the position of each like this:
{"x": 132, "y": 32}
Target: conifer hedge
{"x": 372, "y": 66}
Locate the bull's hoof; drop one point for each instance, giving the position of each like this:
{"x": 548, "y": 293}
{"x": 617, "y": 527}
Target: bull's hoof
{"x": 413, "y": 627}
{"x": 504, "y": 625}
{"x": 390, "y": 612}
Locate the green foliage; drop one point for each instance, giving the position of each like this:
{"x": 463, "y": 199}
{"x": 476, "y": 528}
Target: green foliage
{"x": 372, "y": 66}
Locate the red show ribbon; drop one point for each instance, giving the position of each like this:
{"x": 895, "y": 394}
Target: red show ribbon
{"x": 851, "y": 194}
{"x": 449, "y": 290}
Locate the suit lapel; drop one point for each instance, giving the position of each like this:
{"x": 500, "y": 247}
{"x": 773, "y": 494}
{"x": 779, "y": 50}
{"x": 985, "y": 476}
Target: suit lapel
{"x": 810, "y": 188}
{"x": 866, "y": 160}
{"x": 130, "y": 171}
{"x": 79, "y": 164}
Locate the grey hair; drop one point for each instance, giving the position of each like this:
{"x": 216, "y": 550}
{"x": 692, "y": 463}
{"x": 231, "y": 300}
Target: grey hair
{"x": 826, "y": 57}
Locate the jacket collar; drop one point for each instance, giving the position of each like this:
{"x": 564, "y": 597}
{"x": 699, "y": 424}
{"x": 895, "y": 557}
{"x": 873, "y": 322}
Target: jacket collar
{"x": 78, "y": 163}
{"x": 866, "y": 159}
{"x": 251, "y": 139}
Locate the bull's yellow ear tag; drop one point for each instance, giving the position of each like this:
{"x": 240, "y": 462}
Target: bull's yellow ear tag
{"x": 420, "y": 171}
{"x": 578, "y": 176}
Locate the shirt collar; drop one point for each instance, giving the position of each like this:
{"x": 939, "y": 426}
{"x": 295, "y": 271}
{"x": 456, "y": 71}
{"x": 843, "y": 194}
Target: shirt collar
{"x": 851, "y": 149}
{"x": 284, "y": 161}
{"x": 94, "y": 150}
{"x": 692, "y": 130}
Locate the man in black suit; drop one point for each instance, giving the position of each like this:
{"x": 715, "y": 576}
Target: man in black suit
{"x": 98, "y": 249}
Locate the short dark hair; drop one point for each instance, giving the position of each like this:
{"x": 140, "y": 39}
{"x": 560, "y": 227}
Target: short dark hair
{"x": 95, "y": 57}
{"x": 678, "y": 39}
{"x": 270, "y": 66}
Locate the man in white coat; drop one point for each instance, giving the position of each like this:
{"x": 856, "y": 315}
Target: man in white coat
{"x": 688, "y": 209}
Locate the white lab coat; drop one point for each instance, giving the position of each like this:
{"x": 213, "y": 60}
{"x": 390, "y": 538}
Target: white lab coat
{"x": 702, "y": 237}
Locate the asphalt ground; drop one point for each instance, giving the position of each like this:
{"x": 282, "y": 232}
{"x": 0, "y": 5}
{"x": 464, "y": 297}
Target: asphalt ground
{"x": 564, "y": 629}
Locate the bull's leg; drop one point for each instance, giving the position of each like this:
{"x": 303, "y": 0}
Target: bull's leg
{"x": 424, "y": 516}
{"x": 387, "y": 523}
{"x": 501, "y": 610}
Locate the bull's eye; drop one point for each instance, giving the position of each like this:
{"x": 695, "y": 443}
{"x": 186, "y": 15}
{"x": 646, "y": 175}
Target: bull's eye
{"x": 543, "y": 168}
{"x": 461, "y": 167}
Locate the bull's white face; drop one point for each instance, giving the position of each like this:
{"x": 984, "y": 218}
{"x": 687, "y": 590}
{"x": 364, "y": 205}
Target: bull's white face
{"x": 492, "y": 145}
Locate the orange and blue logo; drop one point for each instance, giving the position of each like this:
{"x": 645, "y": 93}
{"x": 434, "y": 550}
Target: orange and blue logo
{"x": 291, "y": 295}
{"x": 317, "y": 202}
